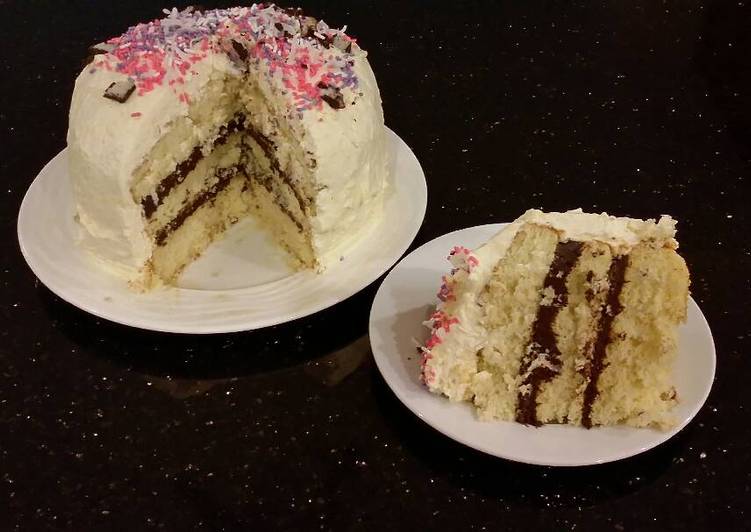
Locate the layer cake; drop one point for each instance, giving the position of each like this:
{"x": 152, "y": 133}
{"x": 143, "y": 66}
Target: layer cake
{"x": 562, "y": 318}
{"x": 184, "y": 125}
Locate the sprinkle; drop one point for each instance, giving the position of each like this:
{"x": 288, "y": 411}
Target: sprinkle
{"x": 433, "y": 341}
{"x": 313, "y": 61}
{"x": 441, "y": 320}
{"x": 459, "y": 250}
{"x": 120, "y": 91}
{"x": 462, "y": 259}
{"x": 135, "y": 115}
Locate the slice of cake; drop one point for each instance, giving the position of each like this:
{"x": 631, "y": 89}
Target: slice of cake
{"x": 562, "y": 318}
{"x": 181, "y": 126}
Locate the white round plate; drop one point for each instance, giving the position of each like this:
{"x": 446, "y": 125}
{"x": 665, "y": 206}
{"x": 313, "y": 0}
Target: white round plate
{"x": 240, "y": 283}
{"x": 407, "y": 297}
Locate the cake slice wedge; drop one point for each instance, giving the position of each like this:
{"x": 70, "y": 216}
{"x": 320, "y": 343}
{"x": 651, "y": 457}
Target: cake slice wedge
{"x": 562, "y": 318}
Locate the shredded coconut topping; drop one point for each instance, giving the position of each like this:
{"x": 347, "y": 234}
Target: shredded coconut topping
{"x": 312, "y": 60}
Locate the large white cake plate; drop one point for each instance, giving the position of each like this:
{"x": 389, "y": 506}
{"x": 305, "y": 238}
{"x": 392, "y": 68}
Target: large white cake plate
{"x": 407, "y": 297}
{"x": 240, "y": 283}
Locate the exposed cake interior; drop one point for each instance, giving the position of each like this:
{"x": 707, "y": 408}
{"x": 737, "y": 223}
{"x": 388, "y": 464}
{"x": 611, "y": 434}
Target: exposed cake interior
{"x": 563, "y": 318}
{"x": 228, "y": 158}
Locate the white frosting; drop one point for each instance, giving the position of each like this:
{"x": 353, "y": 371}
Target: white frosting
{"x": 108, "y": 141}
{"x": 620, "y": 233}
{"x": 450, "y": 365}
{"x": 353, "y": 185}
{"x": 105, "y": 147}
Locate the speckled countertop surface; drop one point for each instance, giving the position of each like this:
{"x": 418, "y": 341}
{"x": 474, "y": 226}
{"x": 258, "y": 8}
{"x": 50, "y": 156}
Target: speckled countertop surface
{"x": 636, "y": 108}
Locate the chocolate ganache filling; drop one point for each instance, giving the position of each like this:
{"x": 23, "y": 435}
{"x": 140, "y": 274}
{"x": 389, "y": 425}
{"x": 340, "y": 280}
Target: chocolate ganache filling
{"x": 608, "y": 312}
{"x": 224, "y": 176}
{"x": 239, "y": 123}
{"x": 543, "y": 344}
{"x": 150, "y": 202}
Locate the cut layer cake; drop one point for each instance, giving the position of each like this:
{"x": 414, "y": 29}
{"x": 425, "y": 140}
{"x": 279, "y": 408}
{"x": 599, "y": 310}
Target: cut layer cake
{"x": 183, "y": 125}
{"x": 563, "y": 318}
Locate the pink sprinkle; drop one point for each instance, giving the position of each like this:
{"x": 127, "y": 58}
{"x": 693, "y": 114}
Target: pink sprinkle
{"x": 457, "y": 250}
{"x": 135, "y": 115}
{"x": 433, "y": 341}
{"x": 427, "y": 375}
{"x": 441, "y": 320}
{"x": 154, "y": 53}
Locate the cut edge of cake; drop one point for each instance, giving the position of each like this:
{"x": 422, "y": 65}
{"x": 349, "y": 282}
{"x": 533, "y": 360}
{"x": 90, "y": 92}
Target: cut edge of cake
{"x": 562, "y": 318}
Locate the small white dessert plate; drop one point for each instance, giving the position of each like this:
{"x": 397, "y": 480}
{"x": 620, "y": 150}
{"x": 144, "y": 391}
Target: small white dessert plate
{"x": 407, "y": 297}
{"x": 240, "y": 283}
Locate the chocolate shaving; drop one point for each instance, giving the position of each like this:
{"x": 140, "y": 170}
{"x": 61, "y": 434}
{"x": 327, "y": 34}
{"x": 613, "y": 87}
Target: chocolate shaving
{"x": 241, "y": 51}
{"x": 308, "y": 27}
{"x": 120, "y": 91}
{"x": 326, "y": 41}
{"x": 98, "y": 49}
{"x": 101, "y": 48}
{"x": 336, "y": 102}
{"x": 331, "y": 95}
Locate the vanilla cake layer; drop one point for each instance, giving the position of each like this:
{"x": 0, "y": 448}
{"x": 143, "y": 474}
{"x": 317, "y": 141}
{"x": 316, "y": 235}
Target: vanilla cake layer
{"x": 562, "y": 318}
{"x": 290, "y": 234}
{"x": 224, "y": 206}
{"x": 509, "y": 301}
{"x": 636, "y": 381}
{"x": 280, "y": 96}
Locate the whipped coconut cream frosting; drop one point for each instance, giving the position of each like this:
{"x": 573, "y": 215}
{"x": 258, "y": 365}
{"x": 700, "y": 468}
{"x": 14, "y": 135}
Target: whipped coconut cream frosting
{"x": 139, "y": 85}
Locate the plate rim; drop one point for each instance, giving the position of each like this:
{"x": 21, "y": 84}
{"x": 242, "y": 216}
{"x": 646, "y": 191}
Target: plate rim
{"x": 419, "y": 182}
{"x": 401, "y": 395}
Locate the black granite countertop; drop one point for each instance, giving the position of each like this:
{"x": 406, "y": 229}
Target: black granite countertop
{"x": 636, "y": 108}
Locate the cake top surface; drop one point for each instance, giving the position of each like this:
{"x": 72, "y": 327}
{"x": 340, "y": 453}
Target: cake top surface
{"x": 312, "y": 61}
{"x": 471, "y": 269}
{"x": 621, "y": 233}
